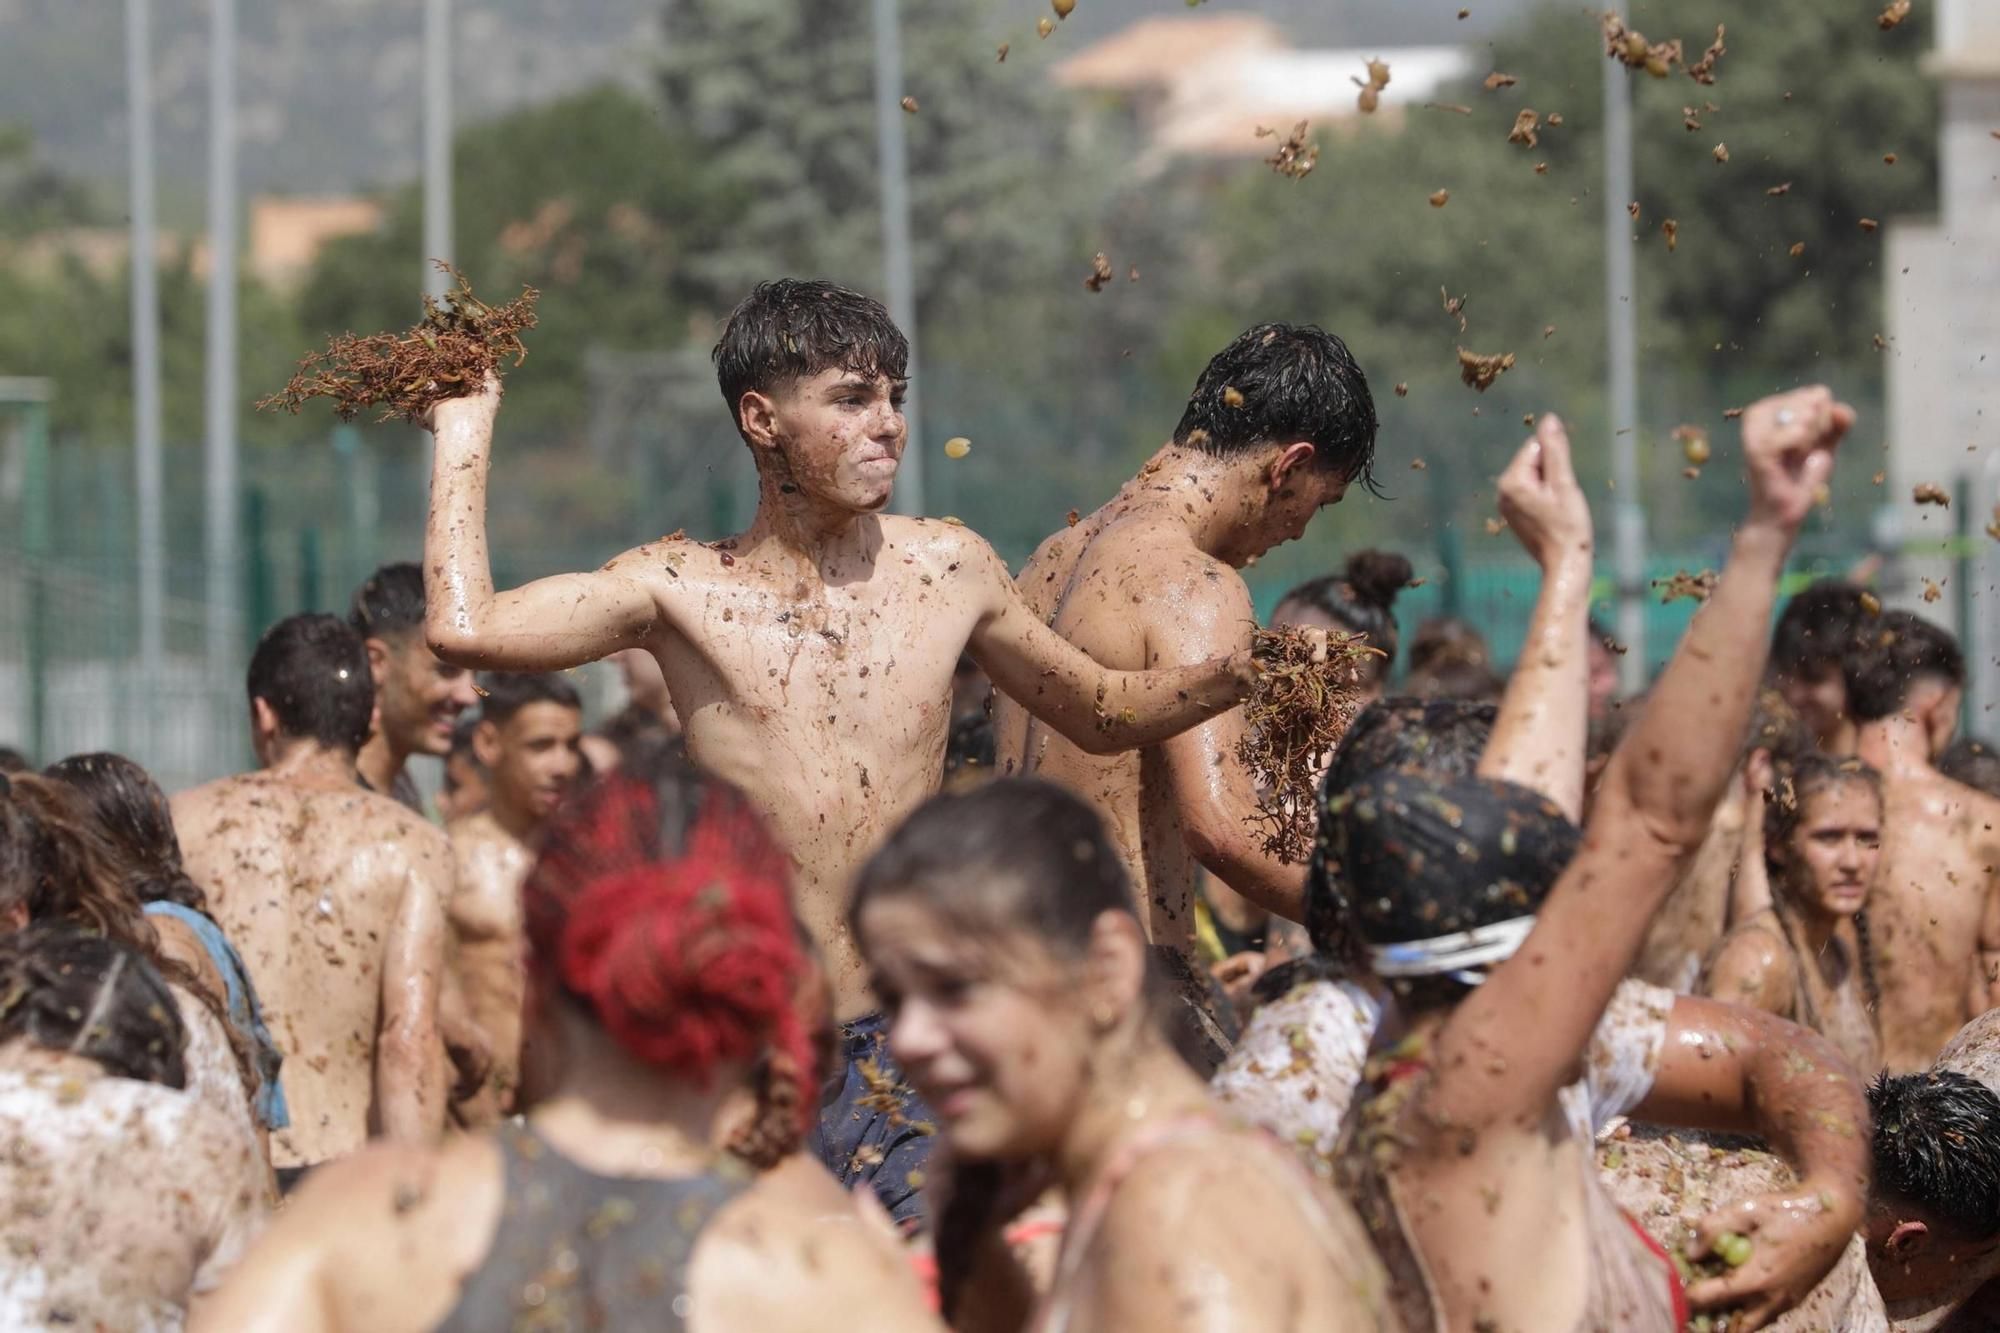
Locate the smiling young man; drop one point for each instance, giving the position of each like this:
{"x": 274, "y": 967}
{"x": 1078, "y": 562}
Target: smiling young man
{"x": 811, "y": 657}
{"x": 528, "y": 740}
{"x": 418, "y": 698}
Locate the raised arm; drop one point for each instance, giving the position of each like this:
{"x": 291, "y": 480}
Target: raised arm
{"x": 1098, "y": 710}
{"x": 546, "y": 625}
{"x": 1750, "y": 890}
{"x": 1734, "y": 1069}
{"x": 1539, "y": 736}
{"x": 1513, "y": 1043}
{"x": 409, "y": 1048}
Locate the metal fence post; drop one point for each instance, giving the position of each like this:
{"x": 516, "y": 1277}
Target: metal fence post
{"x": 36, "y": 502}
{"x": 260, "y": 592}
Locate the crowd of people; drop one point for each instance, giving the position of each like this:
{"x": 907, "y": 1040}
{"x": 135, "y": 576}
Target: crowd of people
{"x": 905, "y": 953}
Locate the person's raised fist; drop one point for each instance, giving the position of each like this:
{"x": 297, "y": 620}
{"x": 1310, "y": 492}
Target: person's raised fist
{"x": 1540, "y": 499}
{"x": 473, "y": 409}
{"x": 1789, "y": 440}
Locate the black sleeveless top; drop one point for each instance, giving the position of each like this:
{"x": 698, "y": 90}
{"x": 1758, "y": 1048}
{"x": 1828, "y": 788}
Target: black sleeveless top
{"x": 576, "y": 1251}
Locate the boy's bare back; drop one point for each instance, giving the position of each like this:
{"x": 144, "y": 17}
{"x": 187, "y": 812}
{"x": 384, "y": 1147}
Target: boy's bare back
{"x": 1934, "y": 912}
{"x": 1116, "y": 585}
{"x": 321, "y": 889}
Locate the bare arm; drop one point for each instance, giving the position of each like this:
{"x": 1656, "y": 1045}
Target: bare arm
{"x": 1512, "y": 1044}
{"x": 1211, "y": 616}
{"x": 1750, "y": 889}
{"x": 1539, "y": 735}
{"x": 551, "y": 623}
{"x": 1986, "y": 981}
{"x": 1098, "y": 710}
{"x": 409, "y": 1050}
{"x": 1729, "y": 1068}
{"x": 1751, "y": 968}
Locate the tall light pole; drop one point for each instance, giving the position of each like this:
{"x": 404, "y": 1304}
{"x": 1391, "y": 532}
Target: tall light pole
{"x": 1622, "y": 345}
{"x": 152, "y": 551}
{"x": 437, "y": 143}
{"x": 219, "y": 451}
{"x": 898, "y": 270}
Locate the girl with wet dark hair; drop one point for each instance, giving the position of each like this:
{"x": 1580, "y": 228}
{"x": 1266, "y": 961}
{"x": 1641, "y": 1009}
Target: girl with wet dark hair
{"x": 132, "y": 813}
{"x": 1359, "y": 600}
{"x": 57, "y": 866}
{"x": 1806, "y": 956}
{"x": 126, "y": 1197}
{"x": 670, "y": 1018}
{"x": 1503, "y": 935}
{"x": 1004, "y": 942}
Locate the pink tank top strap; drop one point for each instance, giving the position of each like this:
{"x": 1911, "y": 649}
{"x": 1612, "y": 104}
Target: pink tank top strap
{"x": 1084, "y": 1221}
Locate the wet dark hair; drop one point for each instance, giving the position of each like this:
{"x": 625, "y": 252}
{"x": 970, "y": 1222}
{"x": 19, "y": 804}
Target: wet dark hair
{"x": 1443, "y": 739}
{"x": 312, "y": 669}
{"x": 58, "y": 863}
{"x": 1816, "y": 630}
{"x": 55, "y": 861}
{"x": 389, "y": 603}
{"x": 1419, "y": 858}
{"x": 971, "y": 744}
{"x": 461, "y": 741}
{"x": 1296, "y": 382}
{"x": 1937, "y": 1145}
{"x": 133, "y": 812}
{"x": 1893, "y": 654}
{"x": 505, "y": 693}
{"x": 1972, "y": 762}
{"x": 68, "y": 990}
{"x": 789, "y": 330}
{"x": 1360, "y": 600}
{"x": 13, "y": 761}
{"x": 1017, "y": 852}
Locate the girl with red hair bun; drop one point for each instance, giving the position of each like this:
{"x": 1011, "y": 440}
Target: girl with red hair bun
{"x": 668, "y": 1052}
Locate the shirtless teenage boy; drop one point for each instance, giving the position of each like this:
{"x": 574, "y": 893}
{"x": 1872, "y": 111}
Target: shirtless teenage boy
{"x": 1279, "y": 425}
{"x": 333, "y": 895}
{"x": 420, "y": 697}
{"x": 527, "y": 740}
{"x": 1935, "y": 913}
{"x": 810, "y": 658}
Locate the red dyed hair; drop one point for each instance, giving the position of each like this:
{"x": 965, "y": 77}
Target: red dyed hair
{"x": 662, "y": 904}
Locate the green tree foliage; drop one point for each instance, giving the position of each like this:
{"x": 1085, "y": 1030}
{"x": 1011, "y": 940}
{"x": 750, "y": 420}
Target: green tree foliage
{"x": 1809, "y": 94}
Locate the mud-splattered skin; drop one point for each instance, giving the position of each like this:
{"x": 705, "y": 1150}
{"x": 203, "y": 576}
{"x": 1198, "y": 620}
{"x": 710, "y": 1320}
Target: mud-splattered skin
{"x": 1668, "y": 1182}
{"x": 1688, "y": 926}
{"x": 1760, "y": 964}
{"x": 486, "y": 923}
{"x": 1150, "y": 581}
{"x": 122, "y": 1197}
{"x": 1461, "y": 1161}
{"x": 1935, "y": 911}
{"x": 335, "y": 898}
{"x": 810, "y": 658}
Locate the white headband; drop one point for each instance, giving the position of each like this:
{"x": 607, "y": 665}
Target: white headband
{"x": 1447, "y": 954}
